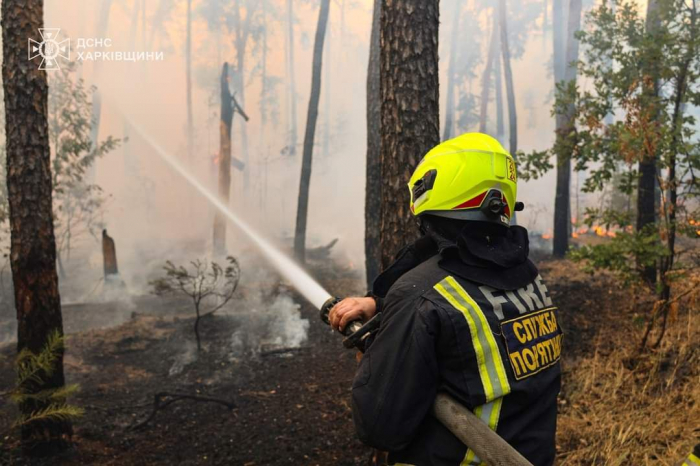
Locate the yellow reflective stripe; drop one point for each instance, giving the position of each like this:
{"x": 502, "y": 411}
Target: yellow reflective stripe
{"x": 491, "y": 369}
{"x": 495, "y": 353}
{"x": 480, "y": 357}
{"x": 488, "y": 357}
{"x": 489, "y": 414}
{"x": 692, "y": 460}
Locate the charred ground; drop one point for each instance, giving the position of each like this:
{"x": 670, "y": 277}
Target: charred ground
{"x": 294, "y": 408}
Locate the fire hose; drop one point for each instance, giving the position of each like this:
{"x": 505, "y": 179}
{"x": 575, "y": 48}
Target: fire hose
{"x": 469, "y": 429}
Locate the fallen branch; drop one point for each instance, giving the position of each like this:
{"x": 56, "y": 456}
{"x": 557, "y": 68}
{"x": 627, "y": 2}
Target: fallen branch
{"x": 283, "y": 351}
{"x": 159, "y": 404}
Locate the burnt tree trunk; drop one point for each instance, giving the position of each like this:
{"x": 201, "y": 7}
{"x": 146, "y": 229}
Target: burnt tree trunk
{"x": 311, "y": 119}
{"x": 566, "y": 139}
{"x": 486, "y": 77}
{"x": 224, "y": 163}
{"x": 451, "y": 71}
{"x": 109, "y": 255}
{"x": 646, "y": 187}
{"x": 373, "y": 189}
{"x": 508, "y": 75}
{"x": 33, "y": 244}
{"x": 410, "y": 124}
{"x": 561, "y": 240}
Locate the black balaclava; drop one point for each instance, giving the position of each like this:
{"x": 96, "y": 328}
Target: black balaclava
{"x": 488, "y": 253}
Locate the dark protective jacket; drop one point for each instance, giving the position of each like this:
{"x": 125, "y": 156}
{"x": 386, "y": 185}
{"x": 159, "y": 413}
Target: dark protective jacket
{"x": 457, "y": 322}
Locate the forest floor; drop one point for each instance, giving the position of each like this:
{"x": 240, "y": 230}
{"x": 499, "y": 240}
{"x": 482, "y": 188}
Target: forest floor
{"x": 618, "y": 407}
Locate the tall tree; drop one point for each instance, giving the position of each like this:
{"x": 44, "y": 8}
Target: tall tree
{"x": 646, "y": 186}
{"x": 558, "y": 40}
{"x": 33, "y": 245}
{"x": 508, "y": 75}
{"x": 565, "y": 136}
{"x": 226, "y": 121}
{"x": 498, "y": 84}
{"x": 291, "y": 78}
{"x": 488, "y": 71}
{"x": 451, "y": 72}
{"x": 373, "y": 189}
{"x": 410, "y": 124}
{"x": 327, "y": 95}
{"x": 311, "y": 119}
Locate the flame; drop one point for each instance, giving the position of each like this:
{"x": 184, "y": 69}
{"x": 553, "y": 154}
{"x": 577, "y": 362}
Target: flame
{"x": 547, "y": 235}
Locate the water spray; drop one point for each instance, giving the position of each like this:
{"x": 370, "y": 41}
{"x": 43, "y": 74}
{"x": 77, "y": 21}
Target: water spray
{"x": 291, "y": 271}
{"x": 459, "y": 420}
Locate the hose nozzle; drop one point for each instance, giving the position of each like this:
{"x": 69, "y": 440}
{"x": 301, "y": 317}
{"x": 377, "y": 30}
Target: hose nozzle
{"x": 326, "y": 308}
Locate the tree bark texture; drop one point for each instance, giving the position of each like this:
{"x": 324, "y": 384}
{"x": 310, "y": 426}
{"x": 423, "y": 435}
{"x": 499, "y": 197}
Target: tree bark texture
{"x": 373, "y": 189}
{"x": 410, "y": 124}
{"x": 451, "y": 71}
{"x": 224, "y": 162}
{"x": 646, "y": 187}
{"x": 311, "y": 119}
{"x": 488, "y": 72}
{"x": 508, "y": 75}
{"x": 33, "y": 245}
{"x": 566, "y": 140}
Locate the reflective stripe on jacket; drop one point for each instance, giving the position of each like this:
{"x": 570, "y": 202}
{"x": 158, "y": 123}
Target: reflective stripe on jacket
{"x": 496, "y": 351}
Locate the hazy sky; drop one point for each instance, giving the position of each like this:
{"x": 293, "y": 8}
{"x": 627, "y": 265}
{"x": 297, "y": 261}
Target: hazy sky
{"x": 150, "y": 202}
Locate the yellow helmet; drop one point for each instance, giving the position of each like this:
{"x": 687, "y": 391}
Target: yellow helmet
{"x": 470, "y": 177}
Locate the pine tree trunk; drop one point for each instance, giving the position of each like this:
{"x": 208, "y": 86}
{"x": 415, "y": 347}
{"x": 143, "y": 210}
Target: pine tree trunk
{"x": 292, "y": 79}
{"x": 219, "y": 243}
{"x": 410, "y": 124}
{"x": 373, "y": 189}
{"x": 450, "y": 102}
{"x": 498, "y": 84}
{"x": 558, "y": 40}
{"x": 33, "y": 244}
{"x": 646, "y": 187}
{"x": 508, "y": 75}
{"x": 327, "y": 97}
{"x": 566, "y": 140}
{"x": 488, "y": 72}
{"x": 311, "y": 119}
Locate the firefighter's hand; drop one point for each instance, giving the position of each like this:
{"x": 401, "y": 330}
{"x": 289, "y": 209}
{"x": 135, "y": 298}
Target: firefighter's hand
{"x": 351, "y": 309}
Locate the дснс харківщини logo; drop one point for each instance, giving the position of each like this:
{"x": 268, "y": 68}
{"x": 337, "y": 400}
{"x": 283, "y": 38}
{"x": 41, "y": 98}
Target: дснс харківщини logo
{"x": 49, "y": 49}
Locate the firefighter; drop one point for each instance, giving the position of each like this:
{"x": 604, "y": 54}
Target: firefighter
{"x": 464, "y": 311}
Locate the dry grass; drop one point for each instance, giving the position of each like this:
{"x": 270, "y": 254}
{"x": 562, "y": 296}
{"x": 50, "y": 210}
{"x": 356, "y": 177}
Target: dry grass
{"x": 620, "y": 407}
